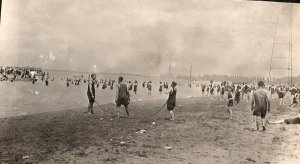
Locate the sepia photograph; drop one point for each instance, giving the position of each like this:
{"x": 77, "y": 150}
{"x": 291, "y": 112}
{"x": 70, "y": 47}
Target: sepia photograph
{"x": 149, "y": 81}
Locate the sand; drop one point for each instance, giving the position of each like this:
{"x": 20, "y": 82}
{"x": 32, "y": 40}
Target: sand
{"x": 201, "y": 133}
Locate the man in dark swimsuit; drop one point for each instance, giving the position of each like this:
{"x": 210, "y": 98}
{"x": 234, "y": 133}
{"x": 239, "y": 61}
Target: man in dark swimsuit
{"x": 122, "y": 96}
{"x": 91, "y": 93}
{"x": 260, "y": 104}
{"x": 171, "y": 102}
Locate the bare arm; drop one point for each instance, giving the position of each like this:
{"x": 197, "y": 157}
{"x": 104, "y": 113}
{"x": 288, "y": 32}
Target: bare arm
{"x": 253, "y": 101}
{"x": 168, "y": 91}
{"x": 128, "y": 94}
{"x": 90, "y": 86}
{"x": 117, "y": 91}
{"x": 268, "y": 102}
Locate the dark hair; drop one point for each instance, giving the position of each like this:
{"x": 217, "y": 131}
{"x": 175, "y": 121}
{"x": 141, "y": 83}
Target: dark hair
{"x": 93, "y": 75}
{"x": 173, "y": 83}
{"x": 120, "y": 79}
{"x": 261, "y": 84}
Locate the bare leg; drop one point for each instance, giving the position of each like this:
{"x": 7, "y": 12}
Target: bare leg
{"x": 127, "y": 112}
{"x": 92, "y": 111}
{"x": 230, "y": 113}
{"x": 172, "y": 115}
{"x": 263, "y": 122}
{"x": 118, "y": 111}
{"x": 89, "y": 108}
{"x": 257, "y": 122}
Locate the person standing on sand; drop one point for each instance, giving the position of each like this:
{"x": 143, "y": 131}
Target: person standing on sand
{"x": 135, "y": 86}
{"x": 260, "y": 104}
{"x": 160, "y": 87}
{"x": 91, "y": 93}
{"x": 281, "y": 95}
{"x": 230, "y": 103}
{"x": 171, "y": 102}
{"x": 237, "y": 96}
{"x": 122, "y": 96}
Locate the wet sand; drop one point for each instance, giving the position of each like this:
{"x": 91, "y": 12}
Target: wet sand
{"x": 201, "y": 133}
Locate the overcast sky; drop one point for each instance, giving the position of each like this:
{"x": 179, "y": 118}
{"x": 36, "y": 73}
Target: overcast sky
{"x": 145, "y": 36}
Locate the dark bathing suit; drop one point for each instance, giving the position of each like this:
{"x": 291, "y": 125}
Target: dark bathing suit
{"x": 230, "y": 102}
{"x": 292, "y": 121}
{"x": 171, "y": 103}
{"x": 123, "y": 96}
{"x": 89, "y": 94}
{"x": 261, "y": 103}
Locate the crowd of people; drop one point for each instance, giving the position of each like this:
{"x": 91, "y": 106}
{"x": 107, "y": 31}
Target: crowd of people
{"x": 232, "y": 93}
{"x": 235, "y": 92}
{"x": 14, "y": 73}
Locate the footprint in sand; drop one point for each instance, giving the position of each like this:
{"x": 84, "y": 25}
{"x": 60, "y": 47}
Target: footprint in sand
{"x": 275, "y": 139}
{"x": 249, "y": 129}
{"x": 282, "y": 129}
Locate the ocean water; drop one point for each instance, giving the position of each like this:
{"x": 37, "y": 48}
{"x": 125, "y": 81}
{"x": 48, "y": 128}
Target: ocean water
{"x": 25, "y": 98}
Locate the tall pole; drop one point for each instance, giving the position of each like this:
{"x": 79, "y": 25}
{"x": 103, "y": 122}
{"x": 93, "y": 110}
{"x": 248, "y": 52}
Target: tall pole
{"x": 274, "y": 39}
{"x": 291, "y": 44}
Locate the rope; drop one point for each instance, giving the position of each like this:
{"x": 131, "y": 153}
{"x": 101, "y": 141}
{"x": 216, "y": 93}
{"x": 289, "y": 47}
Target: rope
{"x": 134, "y": 117}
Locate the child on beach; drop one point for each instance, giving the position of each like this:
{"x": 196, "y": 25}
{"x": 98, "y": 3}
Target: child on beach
{"x": 171, "y": 102}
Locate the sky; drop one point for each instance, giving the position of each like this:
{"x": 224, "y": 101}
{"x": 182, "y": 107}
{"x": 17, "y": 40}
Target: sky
{"x": 232, "y": 37}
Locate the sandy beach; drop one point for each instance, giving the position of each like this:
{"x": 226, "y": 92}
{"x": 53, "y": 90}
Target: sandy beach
{"x": 61, "y": 58}
{"x": 201, "y": 133}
